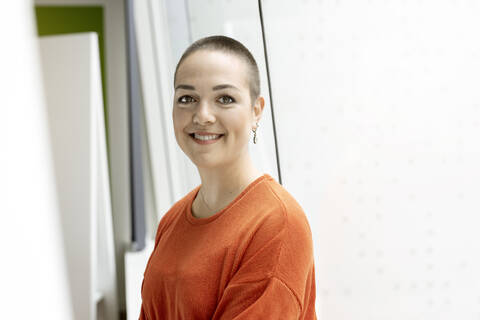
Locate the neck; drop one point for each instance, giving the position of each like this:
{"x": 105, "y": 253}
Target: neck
{"x": 223, "y": 184}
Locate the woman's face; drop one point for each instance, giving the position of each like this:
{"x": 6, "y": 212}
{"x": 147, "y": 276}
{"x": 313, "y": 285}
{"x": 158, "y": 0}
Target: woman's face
{"x": 212, "y": 96}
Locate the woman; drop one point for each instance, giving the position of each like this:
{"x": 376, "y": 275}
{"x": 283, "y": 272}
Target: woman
{"x": 238, "y": 246}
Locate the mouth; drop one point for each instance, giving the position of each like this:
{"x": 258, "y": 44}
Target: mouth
{"x": 206, "y": 139}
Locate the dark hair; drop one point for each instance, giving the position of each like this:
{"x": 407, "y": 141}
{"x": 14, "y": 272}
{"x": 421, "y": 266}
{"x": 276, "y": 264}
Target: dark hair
{"x": 228, "y": 45}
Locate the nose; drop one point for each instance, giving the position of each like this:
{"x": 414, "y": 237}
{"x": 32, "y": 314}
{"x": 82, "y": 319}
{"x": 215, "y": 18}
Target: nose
{"x": 203, "y": 114}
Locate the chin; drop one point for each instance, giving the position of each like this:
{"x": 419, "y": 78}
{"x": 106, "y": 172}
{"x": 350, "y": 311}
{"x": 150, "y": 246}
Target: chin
{"x": 205, "y": 164}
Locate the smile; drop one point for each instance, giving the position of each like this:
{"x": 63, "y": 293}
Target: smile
{"x": 205, "y": 139}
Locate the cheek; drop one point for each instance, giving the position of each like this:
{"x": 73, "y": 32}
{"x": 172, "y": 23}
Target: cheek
{"x": 179, "y": 118}
{"x": 238, "y": 123}
{"x": 240, "y": 127}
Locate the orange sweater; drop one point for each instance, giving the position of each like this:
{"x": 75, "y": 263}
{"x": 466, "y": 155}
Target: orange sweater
{"x": 251, "y": 260}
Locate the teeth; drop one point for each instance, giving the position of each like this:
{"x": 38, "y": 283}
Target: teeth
{"x": 212, "y": 137}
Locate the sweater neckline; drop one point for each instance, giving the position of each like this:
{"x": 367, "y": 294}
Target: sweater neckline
{"x": 200, "y": 221}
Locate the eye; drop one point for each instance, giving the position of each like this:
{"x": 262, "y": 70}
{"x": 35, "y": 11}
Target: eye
{"x": 186, "y": 100}
{"x": 226, "y": 99}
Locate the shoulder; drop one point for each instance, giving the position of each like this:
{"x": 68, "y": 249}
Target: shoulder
{"x": 172, "y": 213}
{"x": 285, "y": 208}
{"x": 276, "y": 236}
{"x": 295, "y": 261}
{"x": 275, "y": 215}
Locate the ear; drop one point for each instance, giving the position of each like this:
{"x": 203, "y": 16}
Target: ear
{"x": 258, "y": 108}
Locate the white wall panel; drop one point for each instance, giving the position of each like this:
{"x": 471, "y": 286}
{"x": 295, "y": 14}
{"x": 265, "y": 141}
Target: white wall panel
{"x": 33, "y": 275}
{"x": 115, "y": 67}
{"x": 378, "y": 122}
{"x": 71, "y": 70}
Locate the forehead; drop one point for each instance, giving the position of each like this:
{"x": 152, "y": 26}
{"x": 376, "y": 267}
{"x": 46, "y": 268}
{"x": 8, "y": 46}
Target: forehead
{"x": 211, "y": 67}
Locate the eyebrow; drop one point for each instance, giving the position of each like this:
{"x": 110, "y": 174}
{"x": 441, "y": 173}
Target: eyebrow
{"x": 218, "y": 87}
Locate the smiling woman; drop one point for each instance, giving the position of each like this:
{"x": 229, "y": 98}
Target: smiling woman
{"x": 238, "y": 246}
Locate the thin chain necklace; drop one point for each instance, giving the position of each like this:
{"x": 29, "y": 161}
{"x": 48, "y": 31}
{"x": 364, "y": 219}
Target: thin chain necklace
{"x": 201, "y": 193}
{"x": 203, "y": 198}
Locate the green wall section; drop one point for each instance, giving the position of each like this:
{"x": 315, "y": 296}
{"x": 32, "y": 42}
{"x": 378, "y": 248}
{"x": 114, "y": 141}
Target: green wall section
{"x": 73, "y": 19}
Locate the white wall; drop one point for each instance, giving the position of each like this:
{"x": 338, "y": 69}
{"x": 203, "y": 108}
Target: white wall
{"x": 115, "y": 56}
{"x": 72, "y": 81}
{"x": 383, "y": 97}
{"x": 33, "y": 274}
{"x": 377, "y": 116}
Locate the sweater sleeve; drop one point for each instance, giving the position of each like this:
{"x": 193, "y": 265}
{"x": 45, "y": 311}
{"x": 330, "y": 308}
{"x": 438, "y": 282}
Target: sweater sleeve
{"x": 268, "y": 298}
{"x": 272, "y": 278}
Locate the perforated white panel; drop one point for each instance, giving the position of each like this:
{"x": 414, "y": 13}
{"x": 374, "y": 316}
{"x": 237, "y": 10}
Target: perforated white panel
{"x": 378, "y": 118}
{"x": 381, "y": 100}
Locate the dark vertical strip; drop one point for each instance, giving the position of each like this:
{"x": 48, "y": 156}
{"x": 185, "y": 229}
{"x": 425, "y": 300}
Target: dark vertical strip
{"x": 270, "y": 91}
{"x": 134, "y": 135}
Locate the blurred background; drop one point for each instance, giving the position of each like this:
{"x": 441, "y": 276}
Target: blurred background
{"x": 372, "y": 122}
